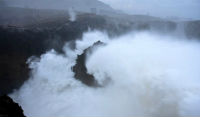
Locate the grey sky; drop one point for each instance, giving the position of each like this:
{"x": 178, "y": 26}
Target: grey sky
{"x": 163, "y": 8}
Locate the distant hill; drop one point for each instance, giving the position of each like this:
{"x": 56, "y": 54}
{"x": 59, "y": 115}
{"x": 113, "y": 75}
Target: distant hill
{"x": 78, "y": 5}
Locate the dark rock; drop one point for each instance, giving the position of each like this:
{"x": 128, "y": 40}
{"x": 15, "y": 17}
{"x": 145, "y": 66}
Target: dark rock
{"x": 8, "y": 108}
{"x": 80, "y": 69}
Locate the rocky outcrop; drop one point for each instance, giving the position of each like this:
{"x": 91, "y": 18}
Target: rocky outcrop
{"x": 8, "y": 108}
{"x": 80, "y": 69}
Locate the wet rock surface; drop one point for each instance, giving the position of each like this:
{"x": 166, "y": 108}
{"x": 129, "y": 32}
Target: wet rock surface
{"x": 80, "y": 69}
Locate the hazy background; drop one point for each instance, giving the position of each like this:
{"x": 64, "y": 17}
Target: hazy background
{"x": 163, "y": 8}
{"x": 171, "y": 9}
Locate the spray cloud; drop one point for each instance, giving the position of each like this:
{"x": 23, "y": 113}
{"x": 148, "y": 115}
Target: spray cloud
{"x": 72, "y": 15}
{"x": 149, "y": 75}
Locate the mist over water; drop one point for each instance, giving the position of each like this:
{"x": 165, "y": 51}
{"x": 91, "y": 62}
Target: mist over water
{"x": 142, "y": 74}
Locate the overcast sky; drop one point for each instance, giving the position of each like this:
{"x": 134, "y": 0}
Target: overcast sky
{"x": 163, "y": 8}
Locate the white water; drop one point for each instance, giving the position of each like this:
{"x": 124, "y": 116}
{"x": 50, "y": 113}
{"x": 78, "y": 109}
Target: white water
{"x": 146, "y": 75}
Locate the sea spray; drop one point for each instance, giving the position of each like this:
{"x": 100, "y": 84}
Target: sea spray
{"x": 149, "y": 75}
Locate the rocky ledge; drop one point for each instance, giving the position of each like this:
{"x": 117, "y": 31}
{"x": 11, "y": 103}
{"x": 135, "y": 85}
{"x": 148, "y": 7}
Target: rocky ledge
{"x": 8, "y": 108}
